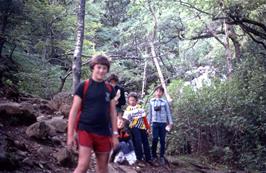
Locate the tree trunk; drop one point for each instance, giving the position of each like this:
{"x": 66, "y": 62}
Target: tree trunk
{"x": 153, "y": 52}
{"x": 144, "y": 80}
{"x": 156, "y": 62}
{"x": 228, "y": 52}
{"x": 236, "y": 43}
{"x": 76, "y": 62}
{"x": 3, "y": 28}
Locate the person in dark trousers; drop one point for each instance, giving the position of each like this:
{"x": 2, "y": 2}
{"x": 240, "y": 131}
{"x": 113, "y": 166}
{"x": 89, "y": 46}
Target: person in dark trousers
{"x": 139, "y": 126}
{"x": 125, "y": 149}
{"x": 93, "y": 118}
{"x": 113, "y": 80}
{"x": 161, "y": 121}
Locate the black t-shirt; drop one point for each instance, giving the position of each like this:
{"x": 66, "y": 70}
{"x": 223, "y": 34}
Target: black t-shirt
{"x": 95, "y": 114}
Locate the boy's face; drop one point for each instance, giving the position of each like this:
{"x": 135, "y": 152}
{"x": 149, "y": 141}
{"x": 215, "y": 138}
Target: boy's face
{"x": 113, "y": 83}
{"x": 132, "y": 101}
{"x": 120, "y": 123}
{"x": 99, "y": 71}
{"x": 158, "y": 93}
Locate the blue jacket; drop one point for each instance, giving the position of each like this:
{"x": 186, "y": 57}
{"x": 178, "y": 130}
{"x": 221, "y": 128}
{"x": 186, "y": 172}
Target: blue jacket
{"x": 162, "y": 116}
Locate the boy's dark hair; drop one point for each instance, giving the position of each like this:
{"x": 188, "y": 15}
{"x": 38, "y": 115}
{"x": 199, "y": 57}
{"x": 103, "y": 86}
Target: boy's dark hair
{"x": 99, "y": 59}
{"x": 159, "y": 88}
{"x": 113, "y": 77}
{"x": 133, "y": 94}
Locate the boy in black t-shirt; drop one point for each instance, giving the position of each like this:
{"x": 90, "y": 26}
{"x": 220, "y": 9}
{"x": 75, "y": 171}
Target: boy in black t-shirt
{"x": 93, "y": 112}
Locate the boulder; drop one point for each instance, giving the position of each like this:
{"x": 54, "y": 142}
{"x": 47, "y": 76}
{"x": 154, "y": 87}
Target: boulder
{"x": 62, "y": 102}
{"x": 65, "y": 157}
{"x": 58, "y": 123}
{"x": 14, "y": 113}
{"x": 65, "y": 109}
{"x": 46, "y": 108}
{"x": 44, "y": 151}
{"x": 40, "y": 130}
{"x": 27, "y": 106}
{"x": 7, "y": 161}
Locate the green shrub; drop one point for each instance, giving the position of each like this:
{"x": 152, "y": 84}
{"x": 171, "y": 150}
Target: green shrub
{"x": 226, "y": 121}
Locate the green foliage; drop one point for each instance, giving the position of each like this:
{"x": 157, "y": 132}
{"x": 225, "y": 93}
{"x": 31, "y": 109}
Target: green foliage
{"x": 225, "y": 120}
{"x": 38, "y": 77}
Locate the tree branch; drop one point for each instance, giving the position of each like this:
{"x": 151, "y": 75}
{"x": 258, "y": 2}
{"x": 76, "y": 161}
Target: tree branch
{"x": 193, "y": 7}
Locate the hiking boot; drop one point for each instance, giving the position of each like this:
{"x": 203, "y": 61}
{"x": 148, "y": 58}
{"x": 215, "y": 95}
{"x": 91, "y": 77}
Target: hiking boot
{"x": 140, "y": 163}
{"x": 153, "y": 163}
{"x": 162, "y": 161}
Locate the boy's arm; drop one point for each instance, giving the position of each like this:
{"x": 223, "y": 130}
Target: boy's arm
{"x": 72, "y": 120}
{"x": 147, "y": 125}
{"x": 150, "y": 114}
{"x": 113, "y": 115}
{"x": 169, "y": 115}
{"x": 114, "y": 123}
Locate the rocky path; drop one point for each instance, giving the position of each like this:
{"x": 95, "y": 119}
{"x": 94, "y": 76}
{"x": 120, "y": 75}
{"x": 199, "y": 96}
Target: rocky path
{"x": 33, "y": 136}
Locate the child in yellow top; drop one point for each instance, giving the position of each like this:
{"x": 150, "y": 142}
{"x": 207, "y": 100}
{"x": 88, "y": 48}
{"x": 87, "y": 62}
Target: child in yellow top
{"x": 139, "y": 126}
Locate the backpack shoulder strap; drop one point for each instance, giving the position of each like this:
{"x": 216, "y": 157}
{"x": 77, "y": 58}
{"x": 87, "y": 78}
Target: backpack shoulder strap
{"x": 85, "y": 88}
{"x": 84, "y": 91}
{"x": 109, "y": 87}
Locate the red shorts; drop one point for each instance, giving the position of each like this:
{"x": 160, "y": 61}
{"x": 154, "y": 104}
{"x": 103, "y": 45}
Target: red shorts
{"x": 97, "y": 142}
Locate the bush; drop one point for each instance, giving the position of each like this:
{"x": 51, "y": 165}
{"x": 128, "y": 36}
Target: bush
{"x": 226, "y": 120}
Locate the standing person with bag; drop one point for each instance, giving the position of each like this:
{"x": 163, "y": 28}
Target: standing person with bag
{"x": 161, "y": 121}
{"x": 93, "y": 117}
{"x": 113, "y": 80}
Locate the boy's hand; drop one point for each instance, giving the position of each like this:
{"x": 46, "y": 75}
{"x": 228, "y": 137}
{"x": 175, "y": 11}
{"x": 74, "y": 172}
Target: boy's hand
{"x": 71, "y": 143}
{"x": 149, "y": 131}
{"x": 168, "y": 127}
{"x": 115, "y": 141}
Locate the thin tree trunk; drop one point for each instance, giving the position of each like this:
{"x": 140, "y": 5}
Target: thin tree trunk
{"x": 228, "y": 51}
{"x": 236, "y": 43}
{"x": 63, "y": 80}
{"x": 156, "y": 62}
{"x": 144, "y": 80}
{"x": 11, "y": 53}
{"x": 153, "y": 53}
{"x": 3, "y": 28}
{"x": 76, "y": 64}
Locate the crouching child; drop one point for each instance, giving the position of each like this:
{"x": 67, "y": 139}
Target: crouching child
{"x": 124, "y": 152}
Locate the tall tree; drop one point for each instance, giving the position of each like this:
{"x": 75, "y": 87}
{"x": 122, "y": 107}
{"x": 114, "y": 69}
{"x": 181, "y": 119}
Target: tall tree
{"x": 153, "y": 52}
{"x": 76, "y": 66}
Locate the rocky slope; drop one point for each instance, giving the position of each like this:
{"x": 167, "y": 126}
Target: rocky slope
{"x": 33, "y": 137}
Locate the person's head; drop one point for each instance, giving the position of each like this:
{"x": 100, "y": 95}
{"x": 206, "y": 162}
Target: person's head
{"x": 159, "y": 91}
{"x": 113, "y": 79}
{"x": 99, "y": 66}
{"x": 120, "y": 123}
{"x": 132, "y": 99}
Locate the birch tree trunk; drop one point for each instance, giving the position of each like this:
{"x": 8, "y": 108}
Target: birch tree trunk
{"x": 161, "y": 77}
{"x": 144, "y": 79}
{"x": 153, "y": 52}
{"x": 76, "y": 62}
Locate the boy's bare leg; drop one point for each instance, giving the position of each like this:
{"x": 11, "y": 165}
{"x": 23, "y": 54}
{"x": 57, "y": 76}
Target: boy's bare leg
{"x": 84, "y": 159}
{"x": 102, "y": 162}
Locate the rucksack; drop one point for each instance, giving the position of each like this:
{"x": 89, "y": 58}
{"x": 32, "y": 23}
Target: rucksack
{"x": 84, "y": 92}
